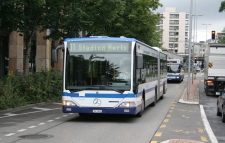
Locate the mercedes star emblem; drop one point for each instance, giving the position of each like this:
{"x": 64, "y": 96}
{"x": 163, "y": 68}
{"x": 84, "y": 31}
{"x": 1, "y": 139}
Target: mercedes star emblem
{"x": 97, "y": 102}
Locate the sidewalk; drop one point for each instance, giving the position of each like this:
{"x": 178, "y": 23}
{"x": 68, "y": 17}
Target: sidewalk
{"x": 185, "y": 122}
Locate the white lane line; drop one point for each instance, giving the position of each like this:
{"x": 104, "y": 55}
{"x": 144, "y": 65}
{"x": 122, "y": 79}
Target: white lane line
{"x": 58, "y": 118}
{"x": 50, "y": 120}
{"x": 57, "y": 103}
{"x": 31, "y": 127}
{"x": 71, "y": 113}
{"x": 207, "y": 126}
{"x": 10, "y": 134}
{"x": 22, "y": 130}
{"x": 41, "y": 124}
{"x": 64, "y": 115}
{"x": 10, "y": 114}
{"x": 43, "y": 109}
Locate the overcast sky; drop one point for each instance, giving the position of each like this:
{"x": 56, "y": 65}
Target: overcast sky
{"x": 209, "y": 9}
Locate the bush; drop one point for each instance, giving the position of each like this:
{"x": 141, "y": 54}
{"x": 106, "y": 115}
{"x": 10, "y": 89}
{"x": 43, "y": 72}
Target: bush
{"x": 18, "y": 91}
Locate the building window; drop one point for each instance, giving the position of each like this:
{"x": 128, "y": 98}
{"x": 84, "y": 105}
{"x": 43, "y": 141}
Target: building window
{"x": 159, "y": 27}
{"x": 186, "y": 22}
{"x": 186, "y": 28}
{"x": 174, "y": 28}
{"x": 187, "y": 16}
{"x": 174, "y": 33}
{"x": 174, "y": 16}
{"x": 173, "y": 45}
{"x": 174, "y": 22}
{"x": 173, "y": 39}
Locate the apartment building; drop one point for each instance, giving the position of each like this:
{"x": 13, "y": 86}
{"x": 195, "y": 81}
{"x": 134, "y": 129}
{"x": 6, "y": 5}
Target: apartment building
{"x": 175, "y": 26}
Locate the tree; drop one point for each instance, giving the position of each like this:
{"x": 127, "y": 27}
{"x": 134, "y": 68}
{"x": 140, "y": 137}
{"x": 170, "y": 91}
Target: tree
{"x": 132, "y": 19}
{"x": 24, "y": 17}
{"x": 222, "y": 6}
{"x": 222, "y": 40}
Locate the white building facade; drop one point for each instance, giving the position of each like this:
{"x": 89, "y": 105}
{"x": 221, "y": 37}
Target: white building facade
{"x": 175, "y": 26}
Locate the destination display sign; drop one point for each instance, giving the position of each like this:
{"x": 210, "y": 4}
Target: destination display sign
{"x": 96, "y": 47}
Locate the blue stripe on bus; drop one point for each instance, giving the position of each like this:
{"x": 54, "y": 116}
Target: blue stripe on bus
{"x": 92, "y": 95}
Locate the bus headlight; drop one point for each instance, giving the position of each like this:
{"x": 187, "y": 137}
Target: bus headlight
{"x": 127, "y": 104}
{"x": 68, "y": 103}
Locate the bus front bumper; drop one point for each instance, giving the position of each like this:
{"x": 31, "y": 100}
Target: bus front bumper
{"x": 99, "y": 110}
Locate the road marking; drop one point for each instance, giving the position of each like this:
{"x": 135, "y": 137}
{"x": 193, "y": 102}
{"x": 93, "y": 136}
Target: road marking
{"x": 153, "y": 142}
{"x": 58, "y": 118}
{"x": 163, "y": 126}
{"x": 172, "y": 108}
{"x": 185, "y": 116}
{"x": 64, "y": 115}
{"x": 171, "y": 111}
{"x": 212, "y": 137}
{"x": 200, "y": 130}
{"x": 50, "y": 120}
{"x": 204, "y": 139}
{"x": 22, "y": 130}
{"x": 166, "y": 120}
{"x": 168, "y": 115}
{"x": 158, "y": 134}
{"x": 41, "y": 124}
{"x": 57, "y": 103}
{"x": 10, "y": 114}
{"x": 10, "y": 134}
{"x": 31, "y": 127}
{"x": 43, "y": 109}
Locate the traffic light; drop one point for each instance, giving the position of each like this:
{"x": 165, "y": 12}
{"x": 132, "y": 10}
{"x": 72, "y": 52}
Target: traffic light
{"x": 213, "y": 35}
{"x": 195, "y": 59}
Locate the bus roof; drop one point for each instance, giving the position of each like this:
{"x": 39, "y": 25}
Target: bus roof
{"x": 105, "y": 38}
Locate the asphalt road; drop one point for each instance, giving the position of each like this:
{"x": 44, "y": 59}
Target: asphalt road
{"x": 47, "y": 123}
{"x": 210, "y": 107}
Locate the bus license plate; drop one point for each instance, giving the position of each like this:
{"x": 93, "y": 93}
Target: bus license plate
{"x": 97, "y": 111}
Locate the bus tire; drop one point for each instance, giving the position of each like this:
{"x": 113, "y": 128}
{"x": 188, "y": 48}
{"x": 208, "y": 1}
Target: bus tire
{"x": 155, "y": 98}
{"x": 223, "y": 115}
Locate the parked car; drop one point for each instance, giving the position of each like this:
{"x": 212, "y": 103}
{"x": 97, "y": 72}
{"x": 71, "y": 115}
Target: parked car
{"x": 221, "y": 106}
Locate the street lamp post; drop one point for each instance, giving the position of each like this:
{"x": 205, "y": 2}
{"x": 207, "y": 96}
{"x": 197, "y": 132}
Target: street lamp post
{"x": 206, "y": 31}
{"x": 195, "y": 32}
{"x": 189, "y": 53}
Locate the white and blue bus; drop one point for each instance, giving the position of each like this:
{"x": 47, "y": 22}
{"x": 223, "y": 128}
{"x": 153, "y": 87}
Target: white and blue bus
{"x": 108, "y": 75}
{"x": 174, "y": 70}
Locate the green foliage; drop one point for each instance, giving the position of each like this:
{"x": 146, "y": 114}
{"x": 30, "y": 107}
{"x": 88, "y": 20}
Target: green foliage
{"x": 222, "y": 40}
{"x": 222, "y": 6}
{"x": 35, "y": 88}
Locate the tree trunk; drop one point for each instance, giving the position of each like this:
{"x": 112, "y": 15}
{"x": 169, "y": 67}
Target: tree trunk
{"x": 27, "y": 53}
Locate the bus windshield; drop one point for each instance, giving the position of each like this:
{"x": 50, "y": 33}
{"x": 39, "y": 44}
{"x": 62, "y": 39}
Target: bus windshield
{"x": 173, "y": 68}
{"x": 98, "y": 69}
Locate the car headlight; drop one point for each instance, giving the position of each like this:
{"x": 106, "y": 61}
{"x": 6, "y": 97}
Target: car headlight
{"x": 68, "y": 103}
{"x": 127, "y": 104}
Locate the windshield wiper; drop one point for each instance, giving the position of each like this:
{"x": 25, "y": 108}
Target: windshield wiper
{"x": 105, "y": 87}
{"x": 110, "y": 88}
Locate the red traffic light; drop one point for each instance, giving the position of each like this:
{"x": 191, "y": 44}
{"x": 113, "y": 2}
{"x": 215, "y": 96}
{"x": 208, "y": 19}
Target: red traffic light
{"x": 213, "y": 35}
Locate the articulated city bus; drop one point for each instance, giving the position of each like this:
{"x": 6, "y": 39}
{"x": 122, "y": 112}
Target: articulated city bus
{"x": 174, "y": 70}
{"x": 105, "y": 75}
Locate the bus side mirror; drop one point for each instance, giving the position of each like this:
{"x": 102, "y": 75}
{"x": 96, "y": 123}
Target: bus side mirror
{"x": 140, "y": 63}
{"x": 55, "y": 53}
